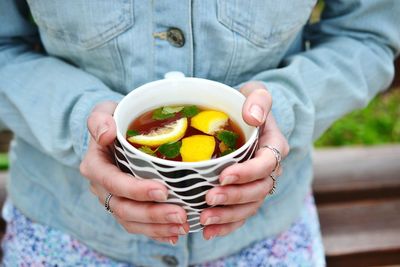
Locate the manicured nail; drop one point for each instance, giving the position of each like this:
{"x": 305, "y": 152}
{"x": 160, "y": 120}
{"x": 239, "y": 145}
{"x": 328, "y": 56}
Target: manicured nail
{"x": 177, "y": 230}
{"x": 218, "y": 199}
{"x": 100, "y": 131}
{"x": 212, "y": 220}
{"x": 229, "y": 180}
{"x": 257, "y": 113}
{"x": 158, "y": 195}
{"x": 174, "y": 218}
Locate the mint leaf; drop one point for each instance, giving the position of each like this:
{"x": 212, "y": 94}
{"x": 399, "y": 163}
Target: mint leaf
{"x": 226, "y": 152}
{"x": 170, "y": 150}
{"x": 159, "y": 115}
{"x": 228, "y": 138}
{"x": 130, "y": 133}
{"x": 147, "y": 150}
{"x": 190, "y": 111}
{"x": 171, "y": 110}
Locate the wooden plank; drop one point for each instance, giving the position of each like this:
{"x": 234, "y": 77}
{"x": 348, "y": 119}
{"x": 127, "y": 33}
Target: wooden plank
{"x": 375, "y": 258}
{"x": 396, "y": 81}
{"x": 3, "y": 195}
{"x": 356, "y": 173}
{"x": 369, "y": 228}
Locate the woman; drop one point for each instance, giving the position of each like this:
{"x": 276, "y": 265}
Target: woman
{"x": 59, "y": 103}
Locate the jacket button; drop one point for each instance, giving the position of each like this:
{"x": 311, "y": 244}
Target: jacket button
{"x": 170, "y": 260}
{"x": 175, "y": 37}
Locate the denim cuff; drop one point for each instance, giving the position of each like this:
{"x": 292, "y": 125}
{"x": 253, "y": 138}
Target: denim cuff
{"x": 80, "y": 113}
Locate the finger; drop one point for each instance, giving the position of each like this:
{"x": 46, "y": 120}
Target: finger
{"x": 143, "y": 212}
{"x": 257, "y": 105}
{"x": 148, "y": 212}
{"x": 264, "y": 161}
{"x": 155, "y": 230}
{"x": 99, "y": 171}
{"x": 229, "y": 214}
{"x": 239, "y": 194}
{"x": 101, "y": 124}
{"x": 257, "y": 168}
{"x": 272, "y": 136}
{"x": 171, "y": 239}
{"x": 214, "y": 230}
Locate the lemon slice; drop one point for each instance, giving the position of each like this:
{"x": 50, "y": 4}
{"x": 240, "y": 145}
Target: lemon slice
{"x": 167, "y": 134}
{"x": 209, "y": 121}
{"x": 197, "y": 148}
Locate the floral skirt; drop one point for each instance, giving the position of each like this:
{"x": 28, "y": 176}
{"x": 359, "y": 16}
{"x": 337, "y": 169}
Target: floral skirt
{"x": 27, "y": 243}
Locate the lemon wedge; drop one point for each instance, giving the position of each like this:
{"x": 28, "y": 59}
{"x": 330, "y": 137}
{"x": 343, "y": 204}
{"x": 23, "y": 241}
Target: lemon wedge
{"x": 167, "y": 134}
{"x": 197, "y": 148}
{"x": 209, "y": 121}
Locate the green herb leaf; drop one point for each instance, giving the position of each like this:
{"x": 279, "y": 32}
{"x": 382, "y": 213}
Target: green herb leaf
{"x": 228, "y": 138}
{"x": 171, "y": 110}
{"x": 159, "y": 115}
{"x": 170, "y": 150}
{"x": 190, "y": 111}
{"x": 130, "y": 133}
{"x": 147, "y": 150}
{"x": 226, "y": 152}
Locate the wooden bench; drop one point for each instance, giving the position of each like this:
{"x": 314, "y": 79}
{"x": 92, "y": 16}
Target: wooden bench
{"x": 396, "y": 81}
{"x": 357, "y": 191}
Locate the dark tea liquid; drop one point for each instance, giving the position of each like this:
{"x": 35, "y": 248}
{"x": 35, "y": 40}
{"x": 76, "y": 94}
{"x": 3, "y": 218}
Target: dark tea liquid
{"x": 144, "y": 124}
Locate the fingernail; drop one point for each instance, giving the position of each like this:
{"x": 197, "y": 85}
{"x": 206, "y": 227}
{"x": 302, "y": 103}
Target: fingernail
{"x": 257, "y": 113}
{"x": 100, "y": 131}
{"x": 212, "y": 220}
{"x": 174, "y": 218}
{"x": 178, "y": 230}
{"x": 229, "y": 180}
{"x": 218, "y": 199}
{"x": 158, "y": 195}
{"x": 172, "y": 242}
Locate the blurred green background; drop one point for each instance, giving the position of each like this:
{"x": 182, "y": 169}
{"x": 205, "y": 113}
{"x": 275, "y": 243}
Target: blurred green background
{"x": 3, "y": 161}
{"x": 378, "y": 123}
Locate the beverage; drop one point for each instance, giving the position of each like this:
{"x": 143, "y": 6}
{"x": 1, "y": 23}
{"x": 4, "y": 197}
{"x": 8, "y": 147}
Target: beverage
{"x": 185, "y": 133}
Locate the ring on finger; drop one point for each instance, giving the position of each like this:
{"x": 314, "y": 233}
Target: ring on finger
{"x": 107, "y": 203}
{"x": 277, "y": 154}
{"x": 273, "y": 189}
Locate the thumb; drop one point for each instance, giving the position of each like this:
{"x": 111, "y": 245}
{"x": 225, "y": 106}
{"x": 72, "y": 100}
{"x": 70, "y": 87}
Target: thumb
{"x": 258, "y": 103}
{"x": 101, "y": 124}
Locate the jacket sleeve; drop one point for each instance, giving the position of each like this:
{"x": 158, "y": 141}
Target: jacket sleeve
{"x": 43, "y": 100}
{"x": 350, "y": 60}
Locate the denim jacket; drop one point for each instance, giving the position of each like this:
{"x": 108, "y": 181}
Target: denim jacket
{"x": 100, "y": 50}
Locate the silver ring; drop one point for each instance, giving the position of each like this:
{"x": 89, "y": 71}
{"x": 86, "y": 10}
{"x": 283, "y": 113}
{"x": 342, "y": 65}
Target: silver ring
{"x": 277, "y": 155}
{"x": 107, "y": 203}
{"x": 273, "y": 184}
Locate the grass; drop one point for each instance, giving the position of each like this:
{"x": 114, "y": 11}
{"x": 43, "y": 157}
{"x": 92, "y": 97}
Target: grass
{"x": 3, "y": 161}
{"x": 379, "y": 123}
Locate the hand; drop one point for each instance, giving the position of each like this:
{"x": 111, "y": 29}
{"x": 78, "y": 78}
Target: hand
{"x": 134, "y": 201}
{"x": 245, "y": 185}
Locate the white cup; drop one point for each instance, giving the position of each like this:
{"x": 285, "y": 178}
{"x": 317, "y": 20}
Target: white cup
{"x": 187, "y": 182}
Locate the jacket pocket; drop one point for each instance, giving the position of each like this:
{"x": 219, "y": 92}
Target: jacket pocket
{"x": 264, "y": 22}
{"x": 87, "y": 24}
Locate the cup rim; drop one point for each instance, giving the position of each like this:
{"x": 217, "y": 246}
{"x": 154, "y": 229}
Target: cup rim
{"x": 195, "y": 164}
